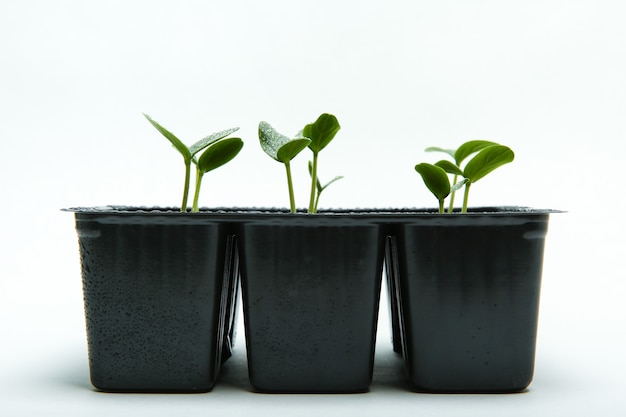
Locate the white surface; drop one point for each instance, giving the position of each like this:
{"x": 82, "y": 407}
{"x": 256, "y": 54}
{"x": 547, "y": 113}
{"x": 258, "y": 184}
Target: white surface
{"x": 545, "y": 77}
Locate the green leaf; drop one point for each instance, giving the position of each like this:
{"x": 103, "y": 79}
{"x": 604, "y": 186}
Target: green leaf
{"x": 213, "y": 137}
{"x": 435, "y": 179}
{"x": 322, "y": 131}
{"x": 438, "y": 149}
{"x": 278, "y": 146}
{"x": 219, "y": 153}
{"x": 449, "y": 167}
{"x": 319, "y": 186}
{"x": 292, "y": 148}
{"x": 180, "y": 146}
{"x": 486, "y": 161}
{"x": 469, "y": 148}
{"x": 330, "y": 182}
{"x": 271, "y": 140}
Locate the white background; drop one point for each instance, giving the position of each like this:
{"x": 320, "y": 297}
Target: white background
{"x": 547, "y": 78}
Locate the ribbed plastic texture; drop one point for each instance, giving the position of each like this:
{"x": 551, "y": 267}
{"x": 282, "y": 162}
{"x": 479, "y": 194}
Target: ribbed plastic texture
{"x": 160, "y": 291}
{"x": 159, "y": 300}
{"x": 311, "y": 292}
{"x": 465, "y": 297}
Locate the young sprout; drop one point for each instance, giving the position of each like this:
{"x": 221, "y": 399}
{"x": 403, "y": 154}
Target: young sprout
{"x": 489, "y": 156}
{"x": 319, "y": 185}
{"x": 189, "y": 154}
{"x": 282, "y": 149}
{"x": 483, "y": 163}
{"x": 321, "y": 133}
{"x": 459, "y": 155}
{"x": 437, "y": 181}
{"x": 216, "y": 155}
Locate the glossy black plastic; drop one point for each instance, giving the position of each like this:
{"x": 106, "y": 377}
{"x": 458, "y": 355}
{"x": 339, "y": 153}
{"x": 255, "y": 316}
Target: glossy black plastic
{"x": 466, "y": 294}
{"x": 463, "y": 290}
{"x": 160, "y": 292}
{"x": 311, "y": 290}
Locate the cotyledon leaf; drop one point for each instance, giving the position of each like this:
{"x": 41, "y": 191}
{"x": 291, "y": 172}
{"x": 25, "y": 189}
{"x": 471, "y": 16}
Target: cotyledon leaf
{"x": 435, "y": 178}
{"x": 438, "y": 149}
{"x": 487, "y": 160}
{"x": 291, "y": 149}
{"x": 322, "y": 131}
{"x": 449, "y": 167}
{"x": 469, "y": 148}
{"x": 213, "y": 137}
{"x": 178, "y": 144}
{"x": 278, "y": 146}
{"x": 219, "y": 154}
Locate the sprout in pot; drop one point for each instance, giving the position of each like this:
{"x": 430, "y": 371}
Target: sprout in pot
{"x": 219, "y": 149}
{"x": 321, "y": 132}
{"x": 319, "y": 187}
{"x": 283, "y": 150}
{"x": 488, "y": 156}
{"x": 316, "y": 136}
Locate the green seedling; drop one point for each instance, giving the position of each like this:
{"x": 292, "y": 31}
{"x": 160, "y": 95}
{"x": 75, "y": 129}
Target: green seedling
{"x": 459, "y": 155}
{"x": 321, "y": 133}
{"x": 216, "y": 155}
{"x": 319, "y": 187}
{"x": 219, "y": 150}
{"x": 489, "y": 156}
{"x": 437, "y": 181}
{"x": 282, "y": 149}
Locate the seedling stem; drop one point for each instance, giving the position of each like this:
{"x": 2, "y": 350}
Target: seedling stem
{"x": 465, "y": 197}
{"x": 451, "y": 206}
{"x": 196, "y": 194}
{"x": 292, "y": 199}
{"x": 313, "y": 198}
{"x": 183, "y": 206}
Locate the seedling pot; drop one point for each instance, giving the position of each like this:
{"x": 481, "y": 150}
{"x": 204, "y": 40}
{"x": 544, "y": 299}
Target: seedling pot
{"x": 311, "y": 290}
{"x": 159, "y": 290}
{"x": 464, "y": 295}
